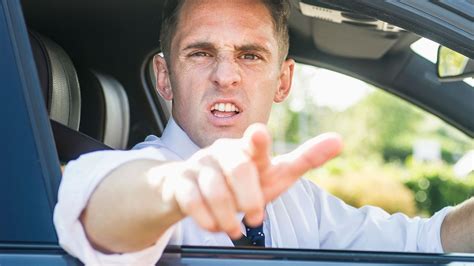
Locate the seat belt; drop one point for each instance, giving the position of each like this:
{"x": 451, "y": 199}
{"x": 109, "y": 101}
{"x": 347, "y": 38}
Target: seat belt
{"x": 70, "y": 144}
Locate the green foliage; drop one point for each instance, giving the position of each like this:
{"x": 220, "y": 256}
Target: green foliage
{"x": 366, "y": 182}
{"x": 400, "y": 152}
{"x": 435, "y": 186}
{"x": 393, "y": 152}
{"x": 414, "y": 188}
{"x": 379, "y": 133}
{"x": 292, "y": 135}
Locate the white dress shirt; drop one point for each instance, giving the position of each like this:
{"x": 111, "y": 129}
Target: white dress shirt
{"x": 303, "y": 217}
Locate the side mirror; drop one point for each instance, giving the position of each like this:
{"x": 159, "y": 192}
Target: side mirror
{"x": 453, "y": 66}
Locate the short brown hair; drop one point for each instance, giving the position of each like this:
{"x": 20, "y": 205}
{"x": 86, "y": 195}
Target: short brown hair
{"x": 279, "y": 11}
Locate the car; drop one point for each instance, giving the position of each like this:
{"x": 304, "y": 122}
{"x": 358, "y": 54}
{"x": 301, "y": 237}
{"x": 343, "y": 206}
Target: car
{"x": 75, "y": 77}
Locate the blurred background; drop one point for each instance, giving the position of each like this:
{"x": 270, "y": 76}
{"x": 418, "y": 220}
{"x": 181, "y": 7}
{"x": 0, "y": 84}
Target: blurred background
{"x": 396, "y": 155}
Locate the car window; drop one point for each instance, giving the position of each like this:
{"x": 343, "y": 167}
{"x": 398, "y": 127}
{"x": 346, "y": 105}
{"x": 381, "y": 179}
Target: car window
{"x": 428, "y": 49}
{"x": 418, "y": 162}
{"x": 396, "y": 156}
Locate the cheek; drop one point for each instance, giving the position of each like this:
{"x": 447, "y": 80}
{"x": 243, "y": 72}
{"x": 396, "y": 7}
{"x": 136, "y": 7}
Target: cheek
{"x": 188, "y": 86}
{"x": 262, "y": 100}
{"x": 194, "y": 66}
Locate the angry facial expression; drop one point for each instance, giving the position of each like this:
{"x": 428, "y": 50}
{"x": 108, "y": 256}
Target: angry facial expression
{"x": 225, "y": 70}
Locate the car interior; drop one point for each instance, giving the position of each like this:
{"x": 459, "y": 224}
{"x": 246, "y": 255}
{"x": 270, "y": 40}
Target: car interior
{"x": 93, "y": 60}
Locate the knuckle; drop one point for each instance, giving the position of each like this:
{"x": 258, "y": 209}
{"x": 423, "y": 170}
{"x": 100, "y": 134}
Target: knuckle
{"x": 194, "y": 203}
{"x": 220, "y": 197}
{"x": 214, "y": 229}
{"x": 205, "y": 221}
{"x": 208, "y": 160}
{"x": 210, "y": 226}
{"x": 243, "y": 169}
{"x": 251, "y": 206}
{"x": 230, "y": 226}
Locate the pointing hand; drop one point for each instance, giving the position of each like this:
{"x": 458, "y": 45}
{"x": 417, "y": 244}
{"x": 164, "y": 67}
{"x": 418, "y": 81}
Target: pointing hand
{"x": 238, "y": 175}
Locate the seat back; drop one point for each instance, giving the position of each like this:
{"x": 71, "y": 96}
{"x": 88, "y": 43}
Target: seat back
{"x": 58, "y": 80}
{"x": 100, "y": 102}
{"x": 105, "y": 100}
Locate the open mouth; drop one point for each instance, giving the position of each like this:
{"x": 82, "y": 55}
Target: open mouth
{"x": 224, "y": 110}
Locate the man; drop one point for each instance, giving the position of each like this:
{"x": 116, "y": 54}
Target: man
{"x": 225, "y": 64}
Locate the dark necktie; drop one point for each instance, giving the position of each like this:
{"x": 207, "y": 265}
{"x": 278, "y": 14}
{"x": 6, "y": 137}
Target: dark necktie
{"x": 256, "y": 235}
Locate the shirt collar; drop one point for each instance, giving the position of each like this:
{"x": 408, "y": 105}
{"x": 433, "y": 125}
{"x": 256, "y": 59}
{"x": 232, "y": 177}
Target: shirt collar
{"x": 178, "y": 141}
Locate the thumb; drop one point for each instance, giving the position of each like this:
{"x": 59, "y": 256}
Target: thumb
{"x": 257, "y": 141}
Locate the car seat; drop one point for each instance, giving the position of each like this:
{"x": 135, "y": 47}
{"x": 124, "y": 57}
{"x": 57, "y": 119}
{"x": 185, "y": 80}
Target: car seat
{"x": 99, "y": 105}
{"x": 105, "y": 100}
{"x": 58, "y": 80}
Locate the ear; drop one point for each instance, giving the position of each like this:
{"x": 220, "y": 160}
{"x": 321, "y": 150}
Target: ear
{"x": 163, "y": 85}
{"x": 286, "y": 77}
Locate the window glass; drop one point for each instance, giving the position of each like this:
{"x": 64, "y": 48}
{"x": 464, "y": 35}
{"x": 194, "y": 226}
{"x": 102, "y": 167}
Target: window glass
{"x": 396, "y": 155}
{"x": 429, "y": 50}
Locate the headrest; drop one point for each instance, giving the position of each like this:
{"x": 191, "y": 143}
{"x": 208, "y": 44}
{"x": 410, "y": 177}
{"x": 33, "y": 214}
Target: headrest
{"x": 104, "y": 99}
{"x": 105, "y": 108}
{"x": 59, "y": 81}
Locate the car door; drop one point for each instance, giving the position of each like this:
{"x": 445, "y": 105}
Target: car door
{"x": 29, "y": 167}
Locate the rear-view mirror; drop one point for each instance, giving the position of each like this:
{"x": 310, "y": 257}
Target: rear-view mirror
{"x": 453, "y": 66}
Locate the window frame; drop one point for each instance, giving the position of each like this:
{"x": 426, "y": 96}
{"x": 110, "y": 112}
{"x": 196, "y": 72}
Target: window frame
{"x": 31, "y": 172}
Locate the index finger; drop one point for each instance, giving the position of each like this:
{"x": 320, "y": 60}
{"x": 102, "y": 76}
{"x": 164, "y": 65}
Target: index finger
{"x": 258, "y": 141}
{"x": 311, "y": 154}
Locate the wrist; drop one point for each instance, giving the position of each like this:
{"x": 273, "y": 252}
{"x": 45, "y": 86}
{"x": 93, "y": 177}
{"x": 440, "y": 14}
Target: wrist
{"x": 163, "y": 181}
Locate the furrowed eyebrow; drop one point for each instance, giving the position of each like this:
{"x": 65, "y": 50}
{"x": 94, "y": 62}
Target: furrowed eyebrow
{"x": 253, "y": 47}
{"x": 200, "y": 45}
{"x": 240, "y": 48}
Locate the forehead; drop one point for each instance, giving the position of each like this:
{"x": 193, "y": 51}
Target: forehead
{"x": 225, "y": 21}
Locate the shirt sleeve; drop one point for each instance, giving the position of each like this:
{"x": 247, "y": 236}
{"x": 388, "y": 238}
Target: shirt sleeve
{"x": 342, "y": 226}
{"x": 79, "y": 180}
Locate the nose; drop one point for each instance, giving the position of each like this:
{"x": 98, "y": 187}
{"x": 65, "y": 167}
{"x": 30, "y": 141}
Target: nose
{"x": 226, "y": 73}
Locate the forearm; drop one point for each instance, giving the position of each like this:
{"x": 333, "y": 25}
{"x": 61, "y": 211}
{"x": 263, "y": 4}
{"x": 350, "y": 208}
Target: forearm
{"x": 128, "y": 211}
{"x": 457, "y": 230}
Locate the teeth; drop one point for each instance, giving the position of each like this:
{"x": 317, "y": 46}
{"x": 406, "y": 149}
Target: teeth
{"x": 225, "y": 107}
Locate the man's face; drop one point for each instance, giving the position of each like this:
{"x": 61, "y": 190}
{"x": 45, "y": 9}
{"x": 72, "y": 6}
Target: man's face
{"x": 225, "y": 70}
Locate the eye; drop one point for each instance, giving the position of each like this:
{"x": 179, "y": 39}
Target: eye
{"x": 249, "y": 57}
{"x": 200, "y": 54}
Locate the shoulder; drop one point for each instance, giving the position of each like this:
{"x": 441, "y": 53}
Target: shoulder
{"x": 150, "y": 141}
{"x": 155, "y": 143}
{"x": 309, "y": 186}
{"x": 304, "y": 189}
